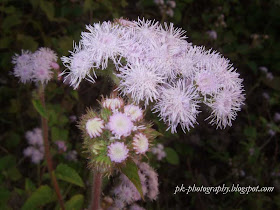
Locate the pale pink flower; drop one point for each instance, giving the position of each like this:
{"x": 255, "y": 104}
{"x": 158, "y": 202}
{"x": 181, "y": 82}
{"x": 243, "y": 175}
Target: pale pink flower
{"x": 225, "y": 106}
{"x": 141, "y": 82}
{"x": 140, "y": 143}
{"x": 61, "y": 146}
{"x": 134, "y": 112}
{"x": 159, "y": 151}
{"x": 80, "y": 64}
{"x": 120, "y": 124}
{"x": 34, "y": 137}
{"x": 94, "y": 127}
{"x": 117, "y": 152}
{"x": 23, "y": 66}
{"x": 42, "y": 61}
{"x": 104, "y": 41}
{"x": 178, "y": 104}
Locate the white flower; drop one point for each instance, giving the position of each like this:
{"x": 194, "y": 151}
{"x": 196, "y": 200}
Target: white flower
{"x": 147, "y": 32}
{"x": 79, "y": 63}
{"x": 42, "y": 61}
{"x": 117, "y": 152}
{"x": 140, "y": 143}
{"x": 208, "y": 81}
{"x": 104, "y": 41}
{"x": 23, "y": 66}
{"x": 134, "y": 112}
{"x": 49, "y": 55}
{"x": 94, "y": 127}
{"x": 225, "y": 106}
{"x": 141, "y": 82}
{"x": 178, "y": 105}
{"x": 120, "y": 125}
{"x": 187, "y": 61}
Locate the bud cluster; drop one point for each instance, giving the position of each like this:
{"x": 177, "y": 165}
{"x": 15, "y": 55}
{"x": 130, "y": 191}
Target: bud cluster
{"x": 115, "y": 134}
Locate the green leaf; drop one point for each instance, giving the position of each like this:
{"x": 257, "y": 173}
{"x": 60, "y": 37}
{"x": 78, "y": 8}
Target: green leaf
{"x": 39, "y": 108}
{"x": 40, "y": 197}
{"x": 48, "y": 9}
{"x": 4, "y": 195}
{"x": 250, "y": 132}
{"x": 27, "y": 42}
{"x": 68, "y": 174}
{"x": 7, "y": 161}
{"x": 59, "y": 134}
{"x": 14, "y": 174}
{"x": 131, "y": 171}
{"x": 171, "y": 156}
{"x": 29, "y": 185}
{"x": 75, "y": 203}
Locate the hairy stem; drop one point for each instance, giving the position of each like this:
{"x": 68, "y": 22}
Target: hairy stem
{"x": 96, "y": 191}
{"x": 48, "y": 157}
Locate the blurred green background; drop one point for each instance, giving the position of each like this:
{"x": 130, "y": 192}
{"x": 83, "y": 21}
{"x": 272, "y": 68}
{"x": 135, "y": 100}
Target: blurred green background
{"x": 246, "y": 32}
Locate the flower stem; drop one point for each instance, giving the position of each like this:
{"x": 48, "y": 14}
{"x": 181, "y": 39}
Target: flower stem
{"x": 48, "y": 157}
{"x": 96, "y": 191}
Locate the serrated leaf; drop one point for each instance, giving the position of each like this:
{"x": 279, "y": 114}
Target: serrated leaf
{"x": 171, "y": 156}
{"x": 75, "y": 203}
{"x": 68, "y": 174}
{"x": 131, "y": 171}
{"x": 39, "y": 108}
{"x": 42, "y": 196}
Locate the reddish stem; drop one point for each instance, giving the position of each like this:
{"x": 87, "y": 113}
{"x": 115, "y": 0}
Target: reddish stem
{"x": 48, "y": 157}
{"x": 96, "y": 191}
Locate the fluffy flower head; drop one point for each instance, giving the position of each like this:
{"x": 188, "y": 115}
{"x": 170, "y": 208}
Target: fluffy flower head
{"x": 178, "y": 105}
{"x": 140, "y": 143}
{"x": 225, "y": 106}
{"x": 117, "y": 152}
{"x": 134, "y": 112}
{"x": 94, "y": 127}
{"x": 120, "y": 124}
{"x": 141, "y": 82}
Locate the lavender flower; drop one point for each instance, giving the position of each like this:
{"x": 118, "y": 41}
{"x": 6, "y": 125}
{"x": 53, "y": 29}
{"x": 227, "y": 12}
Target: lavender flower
{"x": 35, "y": 66}
{"x": 35, "y": 150}
{"x": 159, "y": 152}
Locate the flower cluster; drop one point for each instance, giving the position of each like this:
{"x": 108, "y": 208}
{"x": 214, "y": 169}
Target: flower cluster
{"x": 125, "y": 193}
{"x": 115, "y": 134}
{"x": 35, "y": 66}
{"x": 35, "y": 150}
{"x": 61, "y": 146}
{"x": 157, "y": 66}
{"x": 166, "y": 8}
{"x": 159, "y": 152}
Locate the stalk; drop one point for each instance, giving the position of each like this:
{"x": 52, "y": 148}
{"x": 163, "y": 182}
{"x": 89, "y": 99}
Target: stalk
{"x": 48, "y": 157}
{"x": 96, "y": 191}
